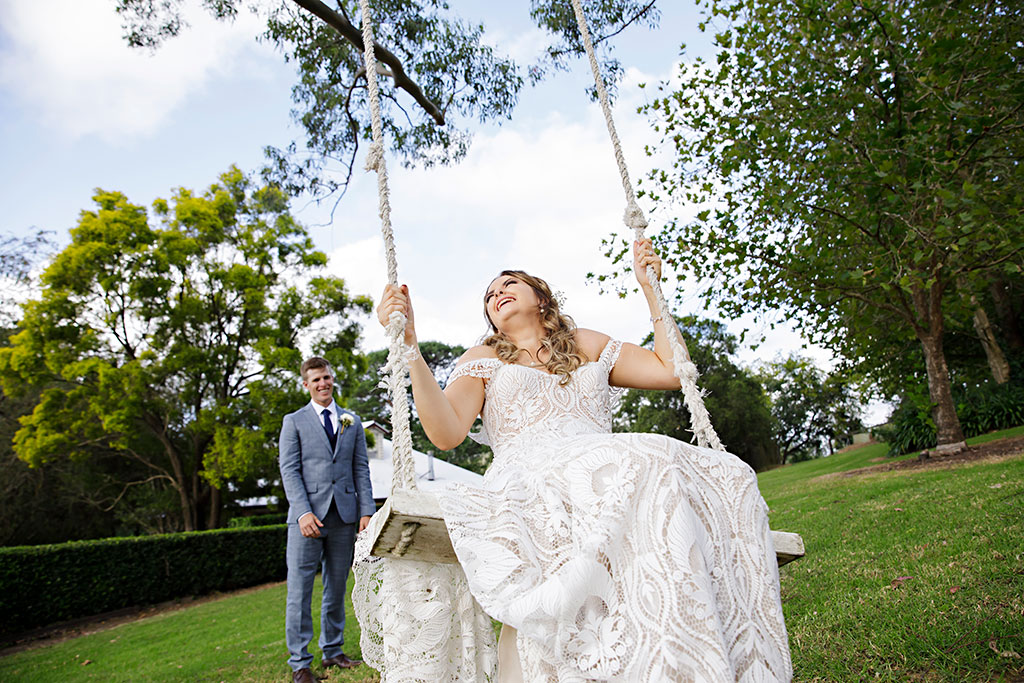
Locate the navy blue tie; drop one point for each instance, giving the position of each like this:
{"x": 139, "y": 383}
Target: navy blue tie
{"x": 329, "y": 428}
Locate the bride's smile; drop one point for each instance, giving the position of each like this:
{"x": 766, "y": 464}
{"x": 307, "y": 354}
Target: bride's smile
{"x": 503, "y": 292}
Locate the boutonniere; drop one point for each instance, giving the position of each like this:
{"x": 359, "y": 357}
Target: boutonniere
{"x": 346, "y": 421}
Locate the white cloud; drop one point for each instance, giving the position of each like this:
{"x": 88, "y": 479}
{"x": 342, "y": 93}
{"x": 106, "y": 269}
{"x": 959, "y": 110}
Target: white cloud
{"x": 67, "y": 62}
{"x": 524, "y": 47}
{"x": 537, "y": 195}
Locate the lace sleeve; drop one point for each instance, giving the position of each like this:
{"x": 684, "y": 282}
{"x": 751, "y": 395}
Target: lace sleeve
{"x": 607, "y": 359}
{"x": 482, "y": 368}
{"x": 610, "y": 354}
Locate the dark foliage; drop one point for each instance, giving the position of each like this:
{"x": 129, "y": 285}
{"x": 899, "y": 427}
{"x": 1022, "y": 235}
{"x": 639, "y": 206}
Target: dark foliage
{"x": 258, "y": 520}
{"x": 44, "y": 584}
{"x": 981, "y": 408}
{"x": 735, "y": 399}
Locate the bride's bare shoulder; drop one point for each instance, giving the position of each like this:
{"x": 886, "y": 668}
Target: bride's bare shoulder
{"x": 591, "y": 342}
{"x": 477, "y": 353}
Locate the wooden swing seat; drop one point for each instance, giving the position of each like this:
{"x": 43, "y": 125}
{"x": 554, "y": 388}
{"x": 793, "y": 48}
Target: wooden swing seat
{"x": 414, "y": 529}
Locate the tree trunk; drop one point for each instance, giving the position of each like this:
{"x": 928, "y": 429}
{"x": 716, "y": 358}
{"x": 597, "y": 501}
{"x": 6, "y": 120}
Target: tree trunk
{"x": 993, "y": 352}
{"x": 947, "y": 424}
{"x": 188, "y": 517}
{"x": 1007, "y": 314}
{"x": 213, "y": 515}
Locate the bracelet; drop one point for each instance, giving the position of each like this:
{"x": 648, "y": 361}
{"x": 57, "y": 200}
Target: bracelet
{"x": 411, "y": 353}
{"x": 657, "y": 320}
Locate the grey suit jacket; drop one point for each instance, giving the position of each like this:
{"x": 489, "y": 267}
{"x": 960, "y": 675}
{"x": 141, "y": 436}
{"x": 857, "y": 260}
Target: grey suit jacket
{"x": 313, "y": 474}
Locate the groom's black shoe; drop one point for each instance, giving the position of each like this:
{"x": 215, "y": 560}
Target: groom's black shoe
{"x": 304, "y": 676}
{"x": 341, "y": 661}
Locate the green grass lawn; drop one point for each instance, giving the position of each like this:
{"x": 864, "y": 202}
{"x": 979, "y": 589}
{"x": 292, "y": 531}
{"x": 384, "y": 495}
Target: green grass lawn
{"x": 239, "y": 637}
{"x": 910, "y": 576}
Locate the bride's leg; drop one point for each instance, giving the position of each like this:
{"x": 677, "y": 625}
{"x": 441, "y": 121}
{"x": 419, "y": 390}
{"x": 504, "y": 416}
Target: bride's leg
{"x": 509, "y": 668}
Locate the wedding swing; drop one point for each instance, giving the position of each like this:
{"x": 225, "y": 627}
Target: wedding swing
{"x": 410, "y": 525}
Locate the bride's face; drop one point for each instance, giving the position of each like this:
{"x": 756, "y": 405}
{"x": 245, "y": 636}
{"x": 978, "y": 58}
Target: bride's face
{"x": 508, "y": 295}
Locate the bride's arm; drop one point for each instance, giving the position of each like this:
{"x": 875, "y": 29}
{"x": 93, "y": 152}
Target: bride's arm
{"x": 448, "y": 415}
{"x": 641, "y": 368}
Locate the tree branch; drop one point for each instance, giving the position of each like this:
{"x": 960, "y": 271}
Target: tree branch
{"x": 600, "y": 39}
{"x": 135, "y": 483}
{"x": 353, "y": 35}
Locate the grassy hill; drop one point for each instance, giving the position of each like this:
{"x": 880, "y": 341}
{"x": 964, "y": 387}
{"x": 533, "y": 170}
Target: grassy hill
{"x": 911, "y": 575}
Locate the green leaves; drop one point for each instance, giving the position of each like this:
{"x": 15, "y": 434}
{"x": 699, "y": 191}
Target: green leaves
{"x": 848, "y": 163}
{"x": 176, "y": 344}
{"x": 443, "y": 73}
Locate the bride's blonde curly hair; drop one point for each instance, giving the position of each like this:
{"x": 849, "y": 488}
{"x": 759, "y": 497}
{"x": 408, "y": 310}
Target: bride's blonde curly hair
{"x": 560, "y": 332}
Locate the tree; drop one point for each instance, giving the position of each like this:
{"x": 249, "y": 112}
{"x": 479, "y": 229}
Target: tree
{"x": 370, "y": 401}
{"x": 813, "y": 413}
{"x": 57, "y": 501}
{"x": 17, "y": 256}
{"x": 176, "y": 346}
{"x": 440, "y": 73}
{"x": 853, "y": 161}
{"x": 735, "y": 400}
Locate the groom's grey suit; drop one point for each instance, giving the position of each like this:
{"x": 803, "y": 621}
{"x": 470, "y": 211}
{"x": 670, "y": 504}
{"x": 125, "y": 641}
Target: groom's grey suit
{"x": 333, "y": 484}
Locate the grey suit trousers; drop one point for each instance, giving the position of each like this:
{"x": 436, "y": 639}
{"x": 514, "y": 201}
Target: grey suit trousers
{"x": 333, "y": 553}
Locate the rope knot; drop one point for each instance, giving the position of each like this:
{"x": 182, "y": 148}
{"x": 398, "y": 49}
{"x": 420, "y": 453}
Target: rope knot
{"x": 634, "y": 218}
{"x": 374, "y": 156}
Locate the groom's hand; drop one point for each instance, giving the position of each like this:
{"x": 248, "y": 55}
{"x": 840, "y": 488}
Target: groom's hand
{"x": 309, "y": 525}
{"x": 364, "y": 522}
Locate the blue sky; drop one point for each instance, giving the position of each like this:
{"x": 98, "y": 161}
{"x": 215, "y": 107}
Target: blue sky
{"x": 79, "y": 110}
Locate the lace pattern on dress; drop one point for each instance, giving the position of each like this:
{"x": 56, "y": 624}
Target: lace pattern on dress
{"x": 481, "y": 368}
{"x": 617, "y": 557}
{"x": 419, "y": 621}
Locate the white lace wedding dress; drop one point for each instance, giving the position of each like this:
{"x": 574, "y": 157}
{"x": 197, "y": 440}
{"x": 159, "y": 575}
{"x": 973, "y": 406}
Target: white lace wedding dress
{"x": 616, "y": 557}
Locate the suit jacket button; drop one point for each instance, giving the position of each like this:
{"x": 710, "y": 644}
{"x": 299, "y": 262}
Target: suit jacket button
{"x": 334, "y": 481}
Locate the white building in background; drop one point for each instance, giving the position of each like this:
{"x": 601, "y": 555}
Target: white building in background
{"x": 432, "y": 474}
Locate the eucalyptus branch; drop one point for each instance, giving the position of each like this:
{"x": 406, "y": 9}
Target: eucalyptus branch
{"x": 353, "y": 35}
{"x": 600, "y": 39}
{"x": 394, "y": 100}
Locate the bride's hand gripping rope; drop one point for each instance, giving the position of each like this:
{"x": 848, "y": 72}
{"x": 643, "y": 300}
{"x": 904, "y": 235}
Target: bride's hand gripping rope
{"x": 396, "y": 299}
{"x": 644, "y": 256}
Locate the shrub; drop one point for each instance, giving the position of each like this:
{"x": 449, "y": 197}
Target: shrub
{"x": 981, "y": 408}
{"x": 44, "y": 584}
{"x": 990, "y": 407}
{"x": 258, "y": 520}
{"x": 910, "y": 428}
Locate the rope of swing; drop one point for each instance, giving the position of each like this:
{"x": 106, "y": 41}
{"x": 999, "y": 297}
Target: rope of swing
{"x": 685, "y": 370}
{"x": 396, "y": 370}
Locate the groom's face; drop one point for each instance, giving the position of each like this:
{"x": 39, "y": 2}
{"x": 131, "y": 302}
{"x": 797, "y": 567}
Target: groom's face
{"x": 320, "y": 384}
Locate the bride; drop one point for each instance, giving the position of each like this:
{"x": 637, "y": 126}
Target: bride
{"x": 609, "y": 557}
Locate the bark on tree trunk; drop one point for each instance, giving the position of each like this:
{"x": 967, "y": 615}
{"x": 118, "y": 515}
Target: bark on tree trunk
{"x": 213, "y": 517}
{"x": 947, "y": 424}
{"x": 188, "y": 516}
{"x": 993, "y": 352}
{"x": 1007, "y": 314}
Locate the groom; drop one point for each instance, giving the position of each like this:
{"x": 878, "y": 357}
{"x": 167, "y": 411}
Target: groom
{"x": 326, "y": 478}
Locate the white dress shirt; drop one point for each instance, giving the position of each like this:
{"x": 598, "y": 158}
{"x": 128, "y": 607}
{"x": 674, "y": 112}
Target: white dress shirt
{"x": 333, "y": 414}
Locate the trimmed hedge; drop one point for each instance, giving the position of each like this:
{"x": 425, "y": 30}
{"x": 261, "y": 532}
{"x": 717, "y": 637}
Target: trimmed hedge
{"x": 258, "y": 520}
{"x": 44, "y": 584}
